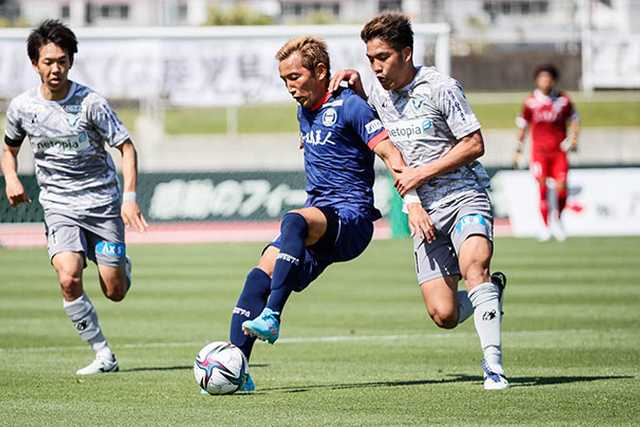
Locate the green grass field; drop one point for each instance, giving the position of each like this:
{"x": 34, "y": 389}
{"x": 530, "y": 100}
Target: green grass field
{"x": 356, "y": 347}
{"x": 494, "y": 112}
{"x": 282, "y": 117}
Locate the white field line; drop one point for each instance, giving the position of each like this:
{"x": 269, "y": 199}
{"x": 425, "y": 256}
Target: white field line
{"x": 320, "y": 339}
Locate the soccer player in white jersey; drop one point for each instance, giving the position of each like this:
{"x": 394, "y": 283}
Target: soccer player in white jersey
{"x": 68, "y": 125}
{"x": 429, "y": 119}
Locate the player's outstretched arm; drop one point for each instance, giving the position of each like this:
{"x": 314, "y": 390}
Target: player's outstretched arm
{"x": 517, "y": 154}
{"x": 468, "y": 149}
{"x": 14, "y": 189}
{"x": 352, "y": 77}
{"x": 574, "y": 131}
{"x": 420, "y": 223}
{"x": 131, "y": 214}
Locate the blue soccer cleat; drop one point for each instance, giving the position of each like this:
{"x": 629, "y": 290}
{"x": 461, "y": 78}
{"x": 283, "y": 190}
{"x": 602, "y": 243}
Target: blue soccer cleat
{"x": 265, "y": 327}
{"x": 248, "y": 386}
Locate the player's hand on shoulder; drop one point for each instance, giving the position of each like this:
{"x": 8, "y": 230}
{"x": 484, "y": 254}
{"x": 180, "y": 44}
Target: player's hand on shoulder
{"x": 420, "y": 223}
{"x": 132, "y": 216}
{"x": 15, "y": 193}
{"x": 406, "y": 178}
{"x": 352, "y": 77}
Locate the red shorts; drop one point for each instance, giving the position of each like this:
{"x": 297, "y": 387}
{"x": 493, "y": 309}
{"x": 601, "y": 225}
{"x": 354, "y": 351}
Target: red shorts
{"x": 554, "y": 165}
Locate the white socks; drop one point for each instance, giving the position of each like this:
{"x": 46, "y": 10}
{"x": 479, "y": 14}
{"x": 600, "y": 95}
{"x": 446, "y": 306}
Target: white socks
{"x": 487, "y": 319}
{"x": 83, "y": 315}
{"x": 465, "y": 308}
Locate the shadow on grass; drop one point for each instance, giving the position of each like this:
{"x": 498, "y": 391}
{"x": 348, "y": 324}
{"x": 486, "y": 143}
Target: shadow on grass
{"x": 515, "y": 382}
{"x": 176, "y": 368}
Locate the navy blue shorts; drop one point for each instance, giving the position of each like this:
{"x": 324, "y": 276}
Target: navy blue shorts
{"x": 351, "y": 237}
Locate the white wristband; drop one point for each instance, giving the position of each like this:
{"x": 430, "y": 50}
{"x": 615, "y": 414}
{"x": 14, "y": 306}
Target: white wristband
{"x": 411, "y": 197}
{"x": 129, "y": 196}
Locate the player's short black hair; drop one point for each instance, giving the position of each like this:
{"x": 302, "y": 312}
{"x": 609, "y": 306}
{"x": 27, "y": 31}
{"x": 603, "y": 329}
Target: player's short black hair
{"x": 51, "y": 31}
{"x": 547, "y": 68}
{"x": 391, "y": 27}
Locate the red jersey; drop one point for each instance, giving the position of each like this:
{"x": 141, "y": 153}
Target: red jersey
{"x": 547, "y": 116}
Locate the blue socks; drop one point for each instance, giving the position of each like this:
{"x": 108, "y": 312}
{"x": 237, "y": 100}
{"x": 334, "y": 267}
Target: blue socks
{"x": 249, "y": 306}
{"x": 293, "y": 231}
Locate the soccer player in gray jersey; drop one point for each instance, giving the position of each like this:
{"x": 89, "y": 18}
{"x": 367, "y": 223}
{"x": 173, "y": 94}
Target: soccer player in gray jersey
{"x": 68, "y": 126}
{"x": 429, "y": 119}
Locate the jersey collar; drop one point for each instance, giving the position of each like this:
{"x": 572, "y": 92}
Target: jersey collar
{"x": 320, "y": 103}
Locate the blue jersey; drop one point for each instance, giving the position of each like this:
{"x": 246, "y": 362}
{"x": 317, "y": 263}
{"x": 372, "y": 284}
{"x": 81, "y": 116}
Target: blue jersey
{"x": 339, "y": 134}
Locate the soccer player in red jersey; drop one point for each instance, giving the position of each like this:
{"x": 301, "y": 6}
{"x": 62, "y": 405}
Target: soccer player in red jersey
{"x": 554, "y": 125}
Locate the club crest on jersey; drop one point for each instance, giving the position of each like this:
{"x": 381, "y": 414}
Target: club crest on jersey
{"x": 417, "y": 103}
{"x": 329, "y": 117}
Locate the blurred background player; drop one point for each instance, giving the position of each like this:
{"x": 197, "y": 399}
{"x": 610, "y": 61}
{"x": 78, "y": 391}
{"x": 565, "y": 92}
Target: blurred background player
{"x": 340, "y": 134}
{"x": 549, "y": 113}
{"x": 429, "y": 119}
{"x": 68, "y": 126}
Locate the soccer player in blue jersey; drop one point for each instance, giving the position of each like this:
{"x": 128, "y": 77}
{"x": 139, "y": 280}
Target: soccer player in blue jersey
{"x": 340, "y": 133}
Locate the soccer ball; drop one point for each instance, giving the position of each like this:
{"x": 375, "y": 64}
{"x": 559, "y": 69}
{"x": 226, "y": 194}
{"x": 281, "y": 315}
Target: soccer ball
{"x": 220, "y": 368}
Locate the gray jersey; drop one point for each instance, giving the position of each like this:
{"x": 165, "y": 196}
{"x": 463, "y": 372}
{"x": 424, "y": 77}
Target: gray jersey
{"x": 68, "y": 138}
{"x": 425, "y": 120}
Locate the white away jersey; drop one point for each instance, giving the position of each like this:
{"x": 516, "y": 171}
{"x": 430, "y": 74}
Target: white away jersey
{"x": 68, "y": 137}
{"x": 425, "y": 119}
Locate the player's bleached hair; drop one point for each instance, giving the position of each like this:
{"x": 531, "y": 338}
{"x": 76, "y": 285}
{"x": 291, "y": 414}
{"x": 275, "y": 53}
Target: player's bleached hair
{"x": 391, "y": 27}
{"x": 51, "y": 31}
{"x": 313, "y": 51}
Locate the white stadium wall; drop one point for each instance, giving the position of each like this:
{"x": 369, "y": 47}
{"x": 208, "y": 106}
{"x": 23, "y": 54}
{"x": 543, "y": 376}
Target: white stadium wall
{"x": 202, "y": 66}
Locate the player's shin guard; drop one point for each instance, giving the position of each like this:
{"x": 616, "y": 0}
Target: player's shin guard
{"x": 465, "y": 307}
{"x": 293, "y": 231}
{"x": 83, "y": 315}
{"x": 487, "y": 316}
{"x": 250, "y": 304}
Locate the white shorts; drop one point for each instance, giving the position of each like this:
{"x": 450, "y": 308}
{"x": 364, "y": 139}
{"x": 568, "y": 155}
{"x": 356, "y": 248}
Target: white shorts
{"x": 469, "y": 215}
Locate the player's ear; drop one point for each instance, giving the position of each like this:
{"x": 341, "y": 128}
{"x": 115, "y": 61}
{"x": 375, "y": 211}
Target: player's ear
{"x": 407, "y": 54}
{"x": 321, "y": 71}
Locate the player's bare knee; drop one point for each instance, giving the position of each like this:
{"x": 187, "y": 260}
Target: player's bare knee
{"x": 268, "y": 260}
{"x": 70, "y": 281}
{"x": 443, "y": 318}
{"x": 115, "y": 291}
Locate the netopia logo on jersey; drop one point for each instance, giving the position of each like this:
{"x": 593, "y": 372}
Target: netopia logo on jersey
{"x": 412, "y": 129}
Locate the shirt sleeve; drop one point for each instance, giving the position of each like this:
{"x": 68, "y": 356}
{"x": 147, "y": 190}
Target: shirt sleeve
{"x": 107, "y": 123}
{"x": 14, "y": 133}
{"x": 364, "y": 120}
{"x": 525, "y": 117}
{"x": 455, "y": 109}
{"x": 572, "y": 114}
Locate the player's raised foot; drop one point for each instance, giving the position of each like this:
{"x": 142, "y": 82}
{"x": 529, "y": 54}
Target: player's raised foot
{"x": 248, "y": 386}
{"x": 265, "y": 327}
{"x": 500, "y": 280}
{"x": 493, "y": 380}
{"x": 100, "y": 366}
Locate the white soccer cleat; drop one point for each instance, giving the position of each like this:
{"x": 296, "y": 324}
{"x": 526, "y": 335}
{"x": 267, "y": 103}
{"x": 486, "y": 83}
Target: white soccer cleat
{"x": 493, "y": 380}
{"x": 544, "y": 235}
{"x": 558, "y": 231}
{"x": 100, "y": 366}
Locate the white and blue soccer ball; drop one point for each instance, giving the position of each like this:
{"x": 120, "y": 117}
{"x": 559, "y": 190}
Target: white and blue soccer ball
{"x": 220, "y": 368}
